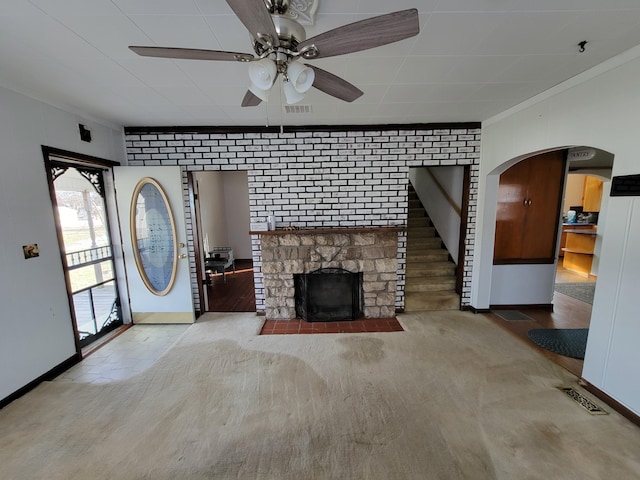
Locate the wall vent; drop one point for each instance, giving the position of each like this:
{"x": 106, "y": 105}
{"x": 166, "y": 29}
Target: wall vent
{"x": 298, "y": 109}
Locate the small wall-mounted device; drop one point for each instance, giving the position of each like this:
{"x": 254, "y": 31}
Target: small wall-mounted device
{"x": 625, "y": 186}
{"x": 31, "y": 250}
{"x": 85, "y": 135}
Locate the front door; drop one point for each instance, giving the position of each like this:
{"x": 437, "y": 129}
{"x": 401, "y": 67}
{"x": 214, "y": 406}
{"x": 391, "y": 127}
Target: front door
{"x": 153, "y": 227}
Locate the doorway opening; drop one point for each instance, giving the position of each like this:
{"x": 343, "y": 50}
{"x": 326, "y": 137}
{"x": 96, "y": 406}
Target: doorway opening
{"x": 437, "y": 226}
{"x": 225, "y": 258}
{"x": 77, "y": 189}
{"x": 571, "y": 281}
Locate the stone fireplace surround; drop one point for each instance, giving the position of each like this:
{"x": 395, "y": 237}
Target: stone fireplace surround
{"x": 372, "y": 251}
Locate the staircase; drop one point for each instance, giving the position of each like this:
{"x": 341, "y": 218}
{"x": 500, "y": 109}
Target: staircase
{"x": 430, "y": 274}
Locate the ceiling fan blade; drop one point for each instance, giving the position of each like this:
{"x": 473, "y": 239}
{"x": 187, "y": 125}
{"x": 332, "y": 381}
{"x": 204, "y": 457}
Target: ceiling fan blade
{"x": 250, "y": 100}
{"x": 191, "y": 54}
{"x": 365, "y": 34}
{"x": 334, "y": 85}
{"x": 256, "y": 18}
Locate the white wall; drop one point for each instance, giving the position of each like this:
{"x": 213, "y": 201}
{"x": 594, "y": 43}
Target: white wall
{"x": 597, "y": 109}
{"x": 517, "y": 289}
{"x": 224, "y": 210}
{"x": 444, "y": 217}
{"x": 573, "y": 191}
{"x": 602, "y": 221}
{"x": 236, "y": 190}
{"x": 35, "y": 323}
{"x": 212, "y": 208}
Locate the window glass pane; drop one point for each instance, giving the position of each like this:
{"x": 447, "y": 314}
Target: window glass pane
{"x": 98, "y": 300}
{"x": 84, "y": 277}
{"x": 81, "y": 211}
{"x": 103, "y": 298}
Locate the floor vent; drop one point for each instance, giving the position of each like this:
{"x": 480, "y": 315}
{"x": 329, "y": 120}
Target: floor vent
{"x": 584, "y": 402}
{"x": 297, "y": 109}
{"x": 511, "y": 315}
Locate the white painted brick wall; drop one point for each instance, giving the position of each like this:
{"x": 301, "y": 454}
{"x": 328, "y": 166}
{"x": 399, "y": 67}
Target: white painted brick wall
{"x": 323, "y": 178}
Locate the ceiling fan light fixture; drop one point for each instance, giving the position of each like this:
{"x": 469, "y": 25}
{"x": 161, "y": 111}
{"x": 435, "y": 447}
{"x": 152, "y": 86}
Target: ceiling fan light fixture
{"x": 290, "y": 93}
{"x": 300, "y": 76}
{"x": 259, "y": 92}
{"x": 279, "y": 41}
{"x": 263, "y": 73}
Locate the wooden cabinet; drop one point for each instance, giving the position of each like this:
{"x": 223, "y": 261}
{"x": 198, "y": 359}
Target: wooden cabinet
{"x": 528, "y": 210}
{"x": 592, "y": 194}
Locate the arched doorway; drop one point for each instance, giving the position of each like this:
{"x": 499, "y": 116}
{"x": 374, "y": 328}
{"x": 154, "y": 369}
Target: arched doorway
{"x": 570, "y": 280}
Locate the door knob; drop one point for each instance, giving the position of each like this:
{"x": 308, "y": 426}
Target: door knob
{"x": 182, "y": 256}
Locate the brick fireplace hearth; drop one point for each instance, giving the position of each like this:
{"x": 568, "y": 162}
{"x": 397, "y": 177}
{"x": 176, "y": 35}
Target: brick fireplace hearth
{"x": 372, "y": 251}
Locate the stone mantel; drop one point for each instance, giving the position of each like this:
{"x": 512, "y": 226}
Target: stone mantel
{"x": 328, "y": 231}
{"x": 371, "y": 251}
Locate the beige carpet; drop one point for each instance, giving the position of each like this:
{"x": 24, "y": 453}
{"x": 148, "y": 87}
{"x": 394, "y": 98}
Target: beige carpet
{"x": 452, "y": 397}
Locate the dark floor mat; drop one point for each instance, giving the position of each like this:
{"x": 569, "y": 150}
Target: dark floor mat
{"x": 570, "y": 342}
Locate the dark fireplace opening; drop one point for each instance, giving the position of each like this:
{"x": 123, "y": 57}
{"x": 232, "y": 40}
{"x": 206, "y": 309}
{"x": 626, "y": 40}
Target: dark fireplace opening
{"x": 329, "y": 294}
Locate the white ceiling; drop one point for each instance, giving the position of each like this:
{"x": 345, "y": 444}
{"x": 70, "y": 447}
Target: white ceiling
{"x": 472, "y": 59}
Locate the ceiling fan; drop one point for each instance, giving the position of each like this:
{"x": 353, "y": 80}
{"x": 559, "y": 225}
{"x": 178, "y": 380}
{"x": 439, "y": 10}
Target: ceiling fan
{"x": 279, "y": 44}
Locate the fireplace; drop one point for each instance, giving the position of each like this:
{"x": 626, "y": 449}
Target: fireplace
{"x": 328, "y": 294}
{"x": 372, "y": 252}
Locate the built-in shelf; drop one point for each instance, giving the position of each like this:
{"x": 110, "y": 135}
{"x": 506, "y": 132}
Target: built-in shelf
{"x": 573, "y": 250}
{"x": 591, "y": 231}
{"x": 586, "y": 228}
{"x": 325, "y": 231}
{"x": 578, "y": 252}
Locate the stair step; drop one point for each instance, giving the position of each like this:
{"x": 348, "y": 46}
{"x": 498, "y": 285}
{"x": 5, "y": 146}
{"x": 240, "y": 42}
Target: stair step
{"x": 417, "y": 212}
{"x": 421, "y": 301}
{"x": 427, "y": 255}
{"x": 430, "y": 284}
{"x": 421, "y": 232}
{"x": 419, "y": 222}
{"x": 430, "y": 276}
{"x": 423, "y": 243}
{"x": 431, "y": 268}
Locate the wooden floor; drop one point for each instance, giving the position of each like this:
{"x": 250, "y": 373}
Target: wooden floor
{"x": 567, "y": 313}
{"x": 237, "y": 294}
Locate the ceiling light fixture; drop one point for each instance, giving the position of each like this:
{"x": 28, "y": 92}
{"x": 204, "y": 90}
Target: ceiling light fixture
{"x": 297, "y": 79}
{"x": 290, "y": 92}
{"x": 263, "y": 73}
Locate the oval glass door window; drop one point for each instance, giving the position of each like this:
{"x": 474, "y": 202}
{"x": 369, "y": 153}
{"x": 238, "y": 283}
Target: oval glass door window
{"x": 153, "y": 234}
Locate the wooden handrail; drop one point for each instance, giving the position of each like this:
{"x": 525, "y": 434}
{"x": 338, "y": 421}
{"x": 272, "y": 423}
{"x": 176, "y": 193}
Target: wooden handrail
{"x": 446, "y": 195}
